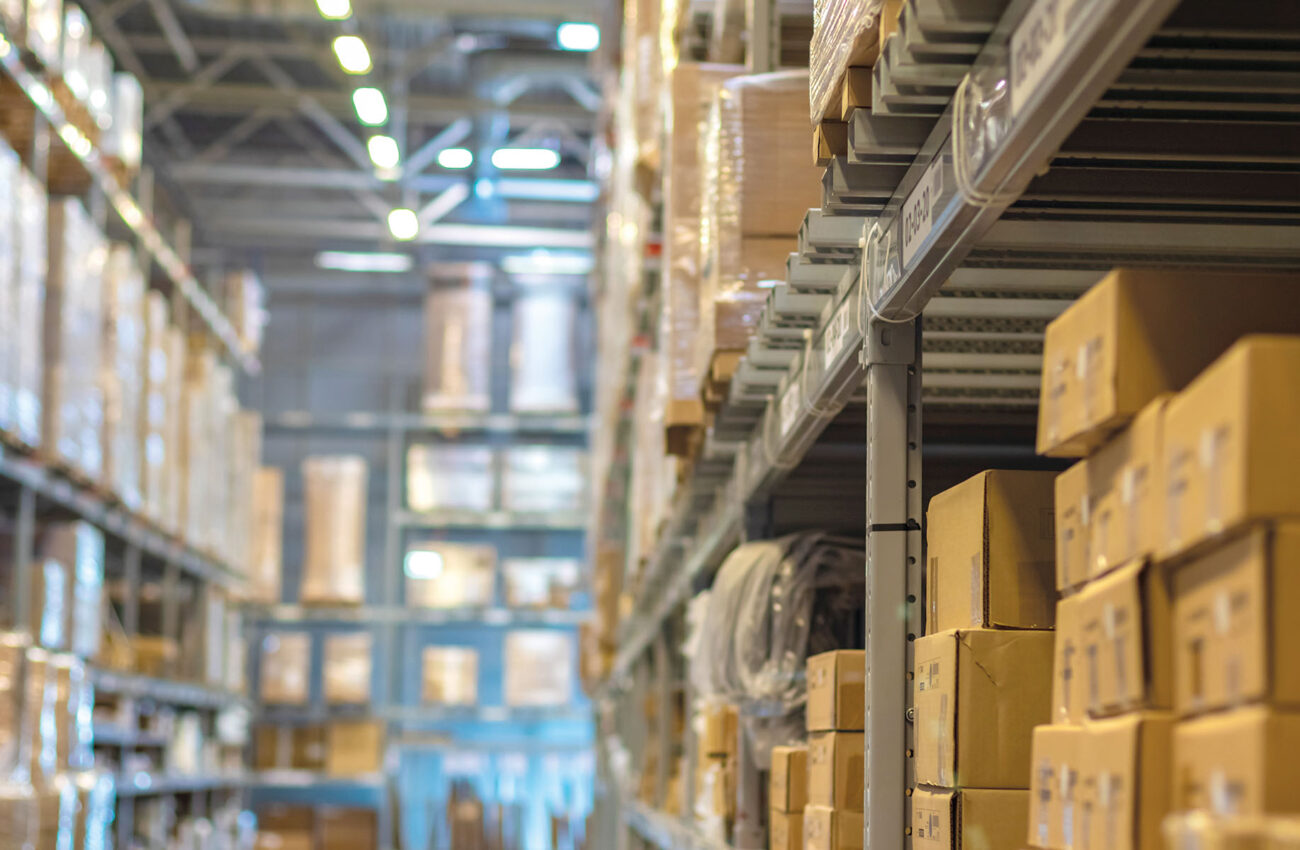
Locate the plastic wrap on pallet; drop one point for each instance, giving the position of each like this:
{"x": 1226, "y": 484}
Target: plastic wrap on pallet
{"x": 449, "y": 675}
{"x": 690, "y": 90}
{"x": 773, "y": 604}
{"x": 78, "y": 548}
{"x": 844, "y": 35}
{"x": 641, "y": 19}
{"x": 124, "y": 373}
{"x": 155, "y": 448}
{"x": 758, "y": 185}
{"x": 123, "y": 141}
{"x": 543, "y": 478}
{"x": 246, "y": 308}
{"x": 540, "y": 582}
{"x": 79, "y": 724}
{"x": 456, "y": 477}
{"x": 20, "y": 814}
{"x": 73, "y": 401}
{"x": 29, "y": 301}
{"x": 458, "y": 338}
{"x": 539, "y": 667}
{"x": 449, "y": 575}
{"x": 264, "y": 566}
{"x": 544, "y": 376}
{"x": 334, "y": 557}
{"x": 45, "y": 30}
{"x": 345, "y": 668}
{"x": 96, "y": 806}
{"x": 285, "y": 668}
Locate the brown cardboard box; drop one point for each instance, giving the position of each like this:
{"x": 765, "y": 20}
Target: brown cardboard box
{"x": 1126, "y": 761}
{"x": 788, "y": 780}
{"x": 285, "y": 665}
{"x": 830, "y": 139}
{"x": 281, "y": 747}
{"x": 837, "y": 690}
{"x": 1142, "y": 332}
{"x": 785, "y": 830}
{"x": 1055, "y": 791}
{"x": 991, "y": 551}
{"x": 449, "y": 675}
{"x": 836, "y": 770}
{"x": 970, "y": 819}
{"x": 1240, "y": 762}
{"x": 1231, "y": 452}
{"x": 346, "y": 667}
{"x": 354, "y": 747}
{"x": 283, "y": 839}
{"x": 1069, "y": 701}
{"x": 286, "y": 818}
{"x": 721, "y": 726}
{"x": 856, "y": 91}
{"x": 308, "y": 747}
{"x": 979, "y": 693}
{"x": 267, "y": 541}
{"x": 334, "y": 529}
{"x": 1127, "y": 641}
{"x": 348, "y": 829}
{"x": 1072, "y": 527}
{"x": 825, "y": 828}
{"x": 1235, "y": 626}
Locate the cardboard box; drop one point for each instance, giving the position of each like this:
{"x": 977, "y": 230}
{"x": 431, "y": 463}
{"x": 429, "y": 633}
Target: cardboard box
{"x": 825, "y": 828}
{"x": 721, "y": 727}
{"x": 991, "y": 553}
{"x": 1126, "y": 764}
{"x": 449, "y": 675}
{"x": 348, "y": 829}
{"x": 1230, "y": 450}
{"x": 334, "y": 527}
{"x": 978, "y": 695}
{"x": 970, "y": 819}
{"x": 1240, "y": 762}
{"x": 540, "y": 667}
{"x": 346, "y": 667}
{"x": 1235, "y": 626}
{"x": 837, "y": 690}
{"x": 1127, "y": 641}
{"x": 785, "y": 830}
{"x": 283, "y": 839}
{"x": 788, "y": 780}
{"x": 1055, "y": 790}
{"x": 354, "y": 747}
{"x": 307, "y": 747}
{"x": 266, "y": 545}
{"x": 1142, "y": 332}
{"x": 836, "y": 770}
{"x": 1069, "y": 701}
{"x": 1072, "y": 527}
{"x": 285, "y": 668}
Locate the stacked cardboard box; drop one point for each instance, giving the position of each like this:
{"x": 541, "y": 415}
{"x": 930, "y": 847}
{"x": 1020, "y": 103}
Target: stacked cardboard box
{"x": 458, "y": 339}
{"x": 835, "y": 716}
{"x": 286, "y": 668}
{"x": 1163, "y": 541}
{"x": 717, "y": 751}
{"x": 787, "y": 796}
{"x": 355, "y": 747}
{"x": 266, "y": 538}
{"x": 982, "y": 678}
{"x": 450, "y": 675}
{"x": 334, "y": 556}
{"x": 539, "y": 667}
{"x": 449, "y": 575}
{"x": 346, "y": 667}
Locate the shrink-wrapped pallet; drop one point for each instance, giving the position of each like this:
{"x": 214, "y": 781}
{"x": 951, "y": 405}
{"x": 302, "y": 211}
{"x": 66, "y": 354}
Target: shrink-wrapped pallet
{"x": 155, "y": 448}
{"x": 124, "y": 374}
{"x": 758, "y": 185}
{"x": 544, "y": 376}
{"x": 691, "y": 88}
{"x": 285, "y": 668}
{"x": 122, "y": 142}
{"x": 267, "y": 536}
{"x": 644, "y": 66}
{"x": 449, "y": 477}
{"x": 346, "y": 666}
{"x": 78, "y": 549}
{"x": 450, "y": 675}
{"x": 246, "y": 308}
{"x": 449, "y": 575}
{"x": 29, "y": 306}
{"x": 245, "y": 458}
{"x": 334, "y": 556}
{"x": 198, "y": 491}
{"x": 540, "y": 582}
{"x": 539, "y": 667}
{"x": 543, "y": 478}
{"x": 458, "y": 339}
{"x": 174, "y": 394}
{"x": 845, "y": 35}
{"x": 73, "y": 403}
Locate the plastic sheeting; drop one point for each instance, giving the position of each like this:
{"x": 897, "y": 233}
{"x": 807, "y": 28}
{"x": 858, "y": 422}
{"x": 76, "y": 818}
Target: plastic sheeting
{"x": 458, "y": 339}
{"x": 449, "y": 477}
{"x": 449, "y": 575}
{"x": 845, "y": 35}
{"x": 543, "y": 374}
{"x": 543, "y": 478}
{"x": 774, "y": 603}
{"x": 539, "y": 667}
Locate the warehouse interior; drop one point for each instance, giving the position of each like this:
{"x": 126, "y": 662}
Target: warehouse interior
{"x": 631, "y": 424}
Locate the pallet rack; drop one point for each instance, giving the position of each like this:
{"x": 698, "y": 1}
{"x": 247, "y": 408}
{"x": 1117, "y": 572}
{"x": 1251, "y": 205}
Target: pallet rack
{"x": 920, "y": 289}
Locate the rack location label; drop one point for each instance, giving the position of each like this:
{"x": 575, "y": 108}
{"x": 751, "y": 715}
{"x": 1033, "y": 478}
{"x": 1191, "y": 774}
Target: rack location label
{"x": 836, "y": 330}
{"x": 790, "y": 406}
{"x": 918, "y": 212}
{"x": 1038, "y": 43}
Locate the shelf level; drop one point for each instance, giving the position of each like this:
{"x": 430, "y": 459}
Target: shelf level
{"x": 146, "y": 783}
{"x": 432, "y": 423}
{"x": 164, "y": 690}
{"x": 403, "y": 615}
{"x": 496, "y": 520}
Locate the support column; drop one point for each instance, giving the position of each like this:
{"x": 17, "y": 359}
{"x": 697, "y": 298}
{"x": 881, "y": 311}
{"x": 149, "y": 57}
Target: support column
{"x": 892, "y": 361}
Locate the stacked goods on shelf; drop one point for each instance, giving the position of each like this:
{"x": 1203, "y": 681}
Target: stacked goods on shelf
{"x": 123, "y": 374}
{"x": 982, "y": 677}
{"x": 346, "y": 664}
{"x": 718, "y": 751}
{"x": 846, "y": 39}
{"x": 528, "y": 478}
{"x": 598, "y": 637}
{"x": 458, "y": 339}
{"x": 539, "y": 667}
{"x": 334, "y": 528}
{"x": 543, "y": 376}
{"x": 266, "y": 541}
{"x": 835, "y": 719}
{"x": 285, "y": 668}
{"x": 758, "y": 185}
{"x": 787, "y": 797}
{"x": 355, "y": 747}
{"x": 340, "y": 748}
{"x": 689, "y": 94}
{"x": 449, "y": 676}
{"x": 245, "y": 300}
{"x": 643, "y": 73}
{"x": 1170, "y": 554}
{"x": 540, "y": 583}
{"x": 449, "y": 575}
{"x": 450, "y": 477}
{"x": 283, "y": 827}
{"x": 542, "y": 478}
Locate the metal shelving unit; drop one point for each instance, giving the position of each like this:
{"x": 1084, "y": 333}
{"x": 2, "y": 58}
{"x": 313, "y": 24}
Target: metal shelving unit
{"x": 920, "y": 290}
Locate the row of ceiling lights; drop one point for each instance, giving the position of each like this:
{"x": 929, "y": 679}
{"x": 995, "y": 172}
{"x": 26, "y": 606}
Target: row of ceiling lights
{"x": 372, "y": 111}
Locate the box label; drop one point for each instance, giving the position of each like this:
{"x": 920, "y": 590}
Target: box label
{"x": 1038, "y": 43}
{"x": 790, "y": 404}
{"x": 836, "y": 331}
{"x": 918, "y": 212}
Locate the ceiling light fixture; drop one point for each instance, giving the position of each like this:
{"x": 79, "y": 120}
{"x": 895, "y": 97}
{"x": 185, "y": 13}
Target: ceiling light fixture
{"x": 383, "y": 151}
{"x": 579, "y": 37}
{"x": 334, "y": 10}
{"x": 545, "y": 263}
{"x": 525, "y": 159}
{"x": 422, "y": 564}
{"x": 364, "y": 261}
{"x": 455, "y": 158}
{"x": 371, "y": 107}
{"x": 352, "y": 54}
{"x": 403, "y": 224}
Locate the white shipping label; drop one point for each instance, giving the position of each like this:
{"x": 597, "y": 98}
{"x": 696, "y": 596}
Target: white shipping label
{"x": 918, "y": 212}
{"x": 790, "y": 403}
{"x": 1038, "y": 43}
{"x": 836, "y": 331}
